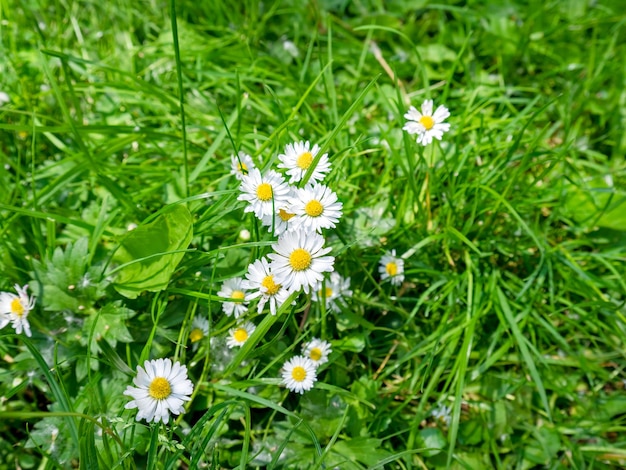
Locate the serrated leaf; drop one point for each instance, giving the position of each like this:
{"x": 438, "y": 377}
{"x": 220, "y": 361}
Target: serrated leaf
{"x": 150, "y": 253}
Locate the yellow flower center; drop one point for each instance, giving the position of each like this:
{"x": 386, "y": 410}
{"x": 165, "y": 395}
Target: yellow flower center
{"x": 270, "y": 285}
{"x": 264, "y": 192}
{"x": 298, "y": 373}
{"x": 284, "y": 215}
{"x": 314, "y": 208}
{"x": 159, "y": 388}
{"x": 304, "y": 161}
{"x": 240, "y": 335}
{"x": 315, "y": 354}
{"x": 196, "y": 335}
{"x": 300, "y": 259}
{"x": 237, "y": 295}
{"x": 16, "y": 307}
{"x": 243, "y": 167}
{"x": 428, "y": 122}
{"x": 391, "y": 268}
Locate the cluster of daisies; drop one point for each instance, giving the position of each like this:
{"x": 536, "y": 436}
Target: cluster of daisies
{"x": 14, "y": 309}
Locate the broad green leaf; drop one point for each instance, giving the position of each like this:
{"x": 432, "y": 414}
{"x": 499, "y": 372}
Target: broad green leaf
{"x": 597, "y": 203}
{"x": 149, "y": 254}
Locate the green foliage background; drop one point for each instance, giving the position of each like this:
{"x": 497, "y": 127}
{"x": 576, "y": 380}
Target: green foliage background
{"x": 512, "y": 311}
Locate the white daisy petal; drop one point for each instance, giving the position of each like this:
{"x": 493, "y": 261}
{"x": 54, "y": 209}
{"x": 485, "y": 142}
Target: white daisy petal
{"x": 335, "y": 290}
{"x": 261, "y": 283}
{"x": 316, "y": 207}
{"x": 14, "y": 309}
{"x": 264, "y": 193}
{"x": 241, "y": 165}
{"x": 238, "y": 335}
{"x": 317, "y": 351}
{"x": 164, "y": 392}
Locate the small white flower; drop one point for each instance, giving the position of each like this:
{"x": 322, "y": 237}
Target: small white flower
{"x": 392, "y": 268}
{"x": 426, "y": 124}
{"x": 238, "y": 335}
{"x": 263, "y": 193}
{"x": 233, "y": 289}
{"x": 443, "y": 413}
{"x": 317, "y": 350}
{"x": 336, "y": 289}
{"x": 299, "y": 374}
{"x": 199, "y": 329}
{"x": 15, "y": 309}
{"x": 161, "y": 388}
{"x": 298, "y": 158}
{"x": 299, "y": 261}
{"x": 281, "y": 221}
{"x": 316, "y": 207}
{"x": 260, "y": 281}
{"x": 241, "y": 165}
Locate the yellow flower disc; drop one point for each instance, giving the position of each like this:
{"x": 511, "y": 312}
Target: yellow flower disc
{"x": 315, "y": 354}
{"x": 284, "y": 215}
{"x": 428, "y": 122}
{"x": 298, "y": 373}
{"x": 196, "y": 335}
{"x": 391, "y": 268}
{"x": 270, "y": 285}
{"x": 300, "y": 259}
{"x": 16, "y": 307}
{"x": 304, "y": 161}
{"x": 314, "y": 208}
{"x": 159, "y": 388}
{"x": 238, "y": 295}
{"x": 264, "y": 192}
{"x": 240, "y": 335}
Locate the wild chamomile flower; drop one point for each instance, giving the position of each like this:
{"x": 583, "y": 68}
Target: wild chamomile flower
{"x": 263, "y": 193}
{"x": 161, "y": 388}
{"x": 334, "y": 291}
{"x": 241, "y": 165}
{"x": 15, "y": 309}
{"x": 299, "y": 374}
{"x": 299, "y": 261}
{"x": 261, "y": 283}
{"x": 317, "y": 350}
{"x": 199, "y": 329}
{"x": 234, "y": 289}
{"x": 298, "y": 158}
{"x": 426, "y": 124}
{"x": 238, "y": 335}
{"x": 316, "y": 207}
{"x": 392, "y": 268}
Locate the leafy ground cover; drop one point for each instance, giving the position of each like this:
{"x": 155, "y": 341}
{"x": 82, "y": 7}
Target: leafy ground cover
{"x": 501, "y": 347}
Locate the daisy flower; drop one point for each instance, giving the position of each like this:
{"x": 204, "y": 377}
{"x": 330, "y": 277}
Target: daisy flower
{"x": 335, "y": 290}
{"x": 281, "y": 221}
{"x": 298, "y": 158}
{"x": 299, "y": 261}
{"x": 260, "y": 281}
{"x": 199, "y": 329}
{"x": 316, "y": 207}
{"x": 238, "y": 335}
{"x": 392, "y": 268}
{"x": 317, "y": 351}
{"x": 263, "y": 193}
{"x": 161, "y": 388}
{"x": 233, "y": 289}
{"x": 299, "y": 374}
{"x": 426, "y": 124}
{"x": 241, "y": 165}
{"x": 15, "y": 309}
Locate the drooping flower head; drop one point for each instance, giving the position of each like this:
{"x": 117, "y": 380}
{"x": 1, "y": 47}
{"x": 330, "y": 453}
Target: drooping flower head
{"x": 335, "y": 290}
{"x": 391, "y": 268}
{"x": 299, "y": 260}
{"x": 299, "y": 374}
{"x": 426, "y": 124}
{"x": 261, "y": 284}
{"x": 263, "y": 193}
{"x": 241, "y": 165}
{"x": 298, "y": 158}
{"x": 317, "y": 350}
{"x": 238, "y": 335}
{"x": 161, "y": 388}
{"x": 316, "y": 207}
{"x": 14, "y": 309}
{"x": 233, "y": 289}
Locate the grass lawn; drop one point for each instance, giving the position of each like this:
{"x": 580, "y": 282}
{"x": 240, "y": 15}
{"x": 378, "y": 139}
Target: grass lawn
{"x": 234, "y": 187}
